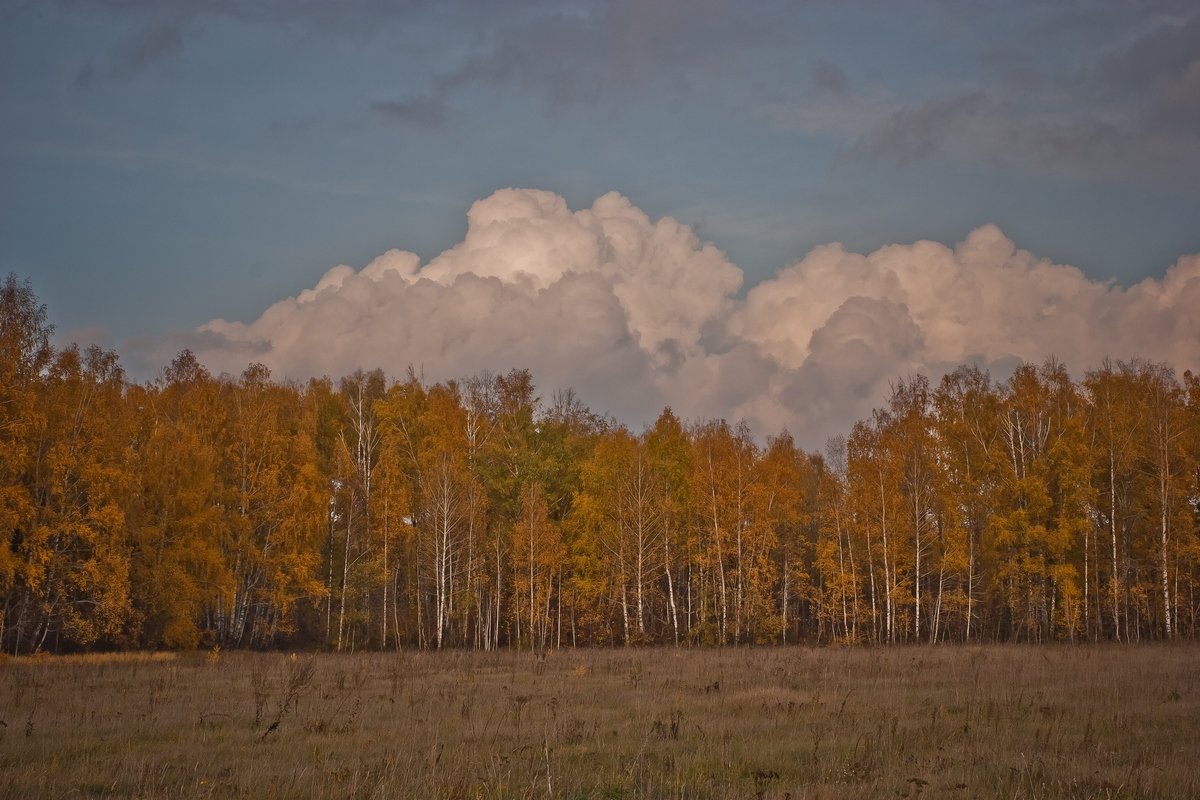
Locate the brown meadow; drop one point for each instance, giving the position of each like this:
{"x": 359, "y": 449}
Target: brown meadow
{"x": 976, "y": 721}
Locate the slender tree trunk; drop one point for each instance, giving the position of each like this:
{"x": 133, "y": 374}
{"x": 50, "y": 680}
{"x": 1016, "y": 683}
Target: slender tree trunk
{"x": 345, "y": 578}
{"x": 641, "y": 617}
{"x": 329, "y": 582}
{"x": 471, "y": 583}
{"x": 917, "y": 570}
{"x": 670, "y": 584}
{"x": 837, "y": 518}
{"x": 532, "y": 607}
{"x": 690, "y": 619}
{"x": 384, "y": 616}
{"x": 499, "y": 573}
{"x": 970, "y": 578}
{"x": 1087, "y": 535}
{"x": 784, "y": 608}
{"x": 1164, "y": 500}
{"x": 937, "y": 606}
{"x": 396, "y": 606}
{"x": 874, "y": 601}
{"x": 887, "y": 576}
{"x": 720, "y": 555}
{"x": 1112, "y": 521}
{"x": 421, "y": 633}
{"x": 853, "y": 588}
{"x": 740, "y": 601}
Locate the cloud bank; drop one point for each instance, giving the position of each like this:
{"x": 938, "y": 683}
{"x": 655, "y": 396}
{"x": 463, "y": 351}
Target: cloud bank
{"x": 636, "y": 313}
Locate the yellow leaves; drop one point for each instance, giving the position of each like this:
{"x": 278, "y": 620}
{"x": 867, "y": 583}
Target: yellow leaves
{"x": 241, "y": 509}
{"x": 179, "y": 631}
{"x": 537, "y": 557}
{"x": 537, "y": 545}
{"x": 445, "y": 422}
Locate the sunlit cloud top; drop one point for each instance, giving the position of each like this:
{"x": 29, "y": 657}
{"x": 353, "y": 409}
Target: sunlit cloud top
{"x": 636, "y": 313}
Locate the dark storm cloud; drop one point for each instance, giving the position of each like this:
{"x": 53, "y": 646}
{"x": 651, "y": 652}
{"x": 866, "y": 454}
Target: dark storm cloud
{"x": 1132, "y": 113}
{"x": 586, "y": 53}
{"x": 155, "y": 41}
{"x": 419, "y": 112}
{"x": 1176, "y": 103}
{"x": 828, "y": 77}
{"x": 1167, "y": 50}
{"x": 916, "y": 132}
{"x": 565, "y": 54}
{"x": 1157, "y": 143}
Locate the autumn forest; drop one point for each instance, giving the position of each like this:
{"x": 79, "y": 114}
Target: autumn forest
{"x": 376, "y": 512}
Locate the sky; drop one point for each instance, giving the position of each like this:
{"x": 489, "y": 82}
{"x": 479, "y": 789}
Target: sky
{"x": 759, "y": 210}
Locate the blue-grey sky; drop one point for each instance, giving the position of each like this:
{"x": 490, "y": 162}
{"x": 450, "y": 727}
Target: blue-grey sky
{"x": 168, "y": 162}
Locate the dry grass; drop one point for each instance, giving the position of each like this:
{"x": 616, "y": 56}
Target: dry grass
{"x": 1088, "y": 722}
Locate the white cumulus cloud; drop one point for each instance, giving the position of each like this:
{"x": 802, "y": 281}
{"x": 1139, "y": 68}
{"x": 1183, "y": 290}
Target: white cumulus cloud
{"x": 637, "y": 313}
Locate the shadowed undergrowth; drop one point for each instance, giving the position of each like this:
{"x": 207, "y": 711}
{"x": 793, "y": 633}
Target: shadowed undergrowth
{"x": 1105, "y": 721}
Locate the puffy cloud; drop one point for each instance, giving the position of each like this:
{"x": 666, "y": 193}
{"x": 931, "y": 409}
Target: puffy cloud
{"x": 636, "y": 313}
{"x": 984, "y": 299}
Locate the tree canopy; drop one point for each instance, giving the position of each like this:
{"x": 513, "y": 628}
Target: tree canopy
{"x": 374, "y": 512}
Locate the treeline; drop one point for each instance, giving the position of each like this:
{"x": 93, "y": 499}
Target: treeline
{"x": 202, "y": 510}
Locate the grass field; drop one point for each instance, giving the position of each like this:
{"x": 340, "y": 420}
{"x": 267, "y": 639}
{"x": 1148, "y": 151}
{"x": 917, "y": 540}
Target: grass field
{"x": 1088, "y": 722}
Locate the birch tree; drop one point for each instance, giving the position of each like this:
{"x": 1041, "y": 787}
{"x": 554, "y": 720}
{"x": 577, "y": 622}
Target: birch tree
{"x": 537, "y": 552}
{"x": 1113, "y": 424}
{"x": 969, "y": 436}
{"x": 834, "y": 564}
{"x": 76, "y": 555}
{"x": 669, "y": 454}
{"x": 874, "y": 478}
{"x": 780, "y": 550}
{"x": 1165, "y": 461}
{"x": 912, "y": 439}
{"x": 25, "y": 354}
